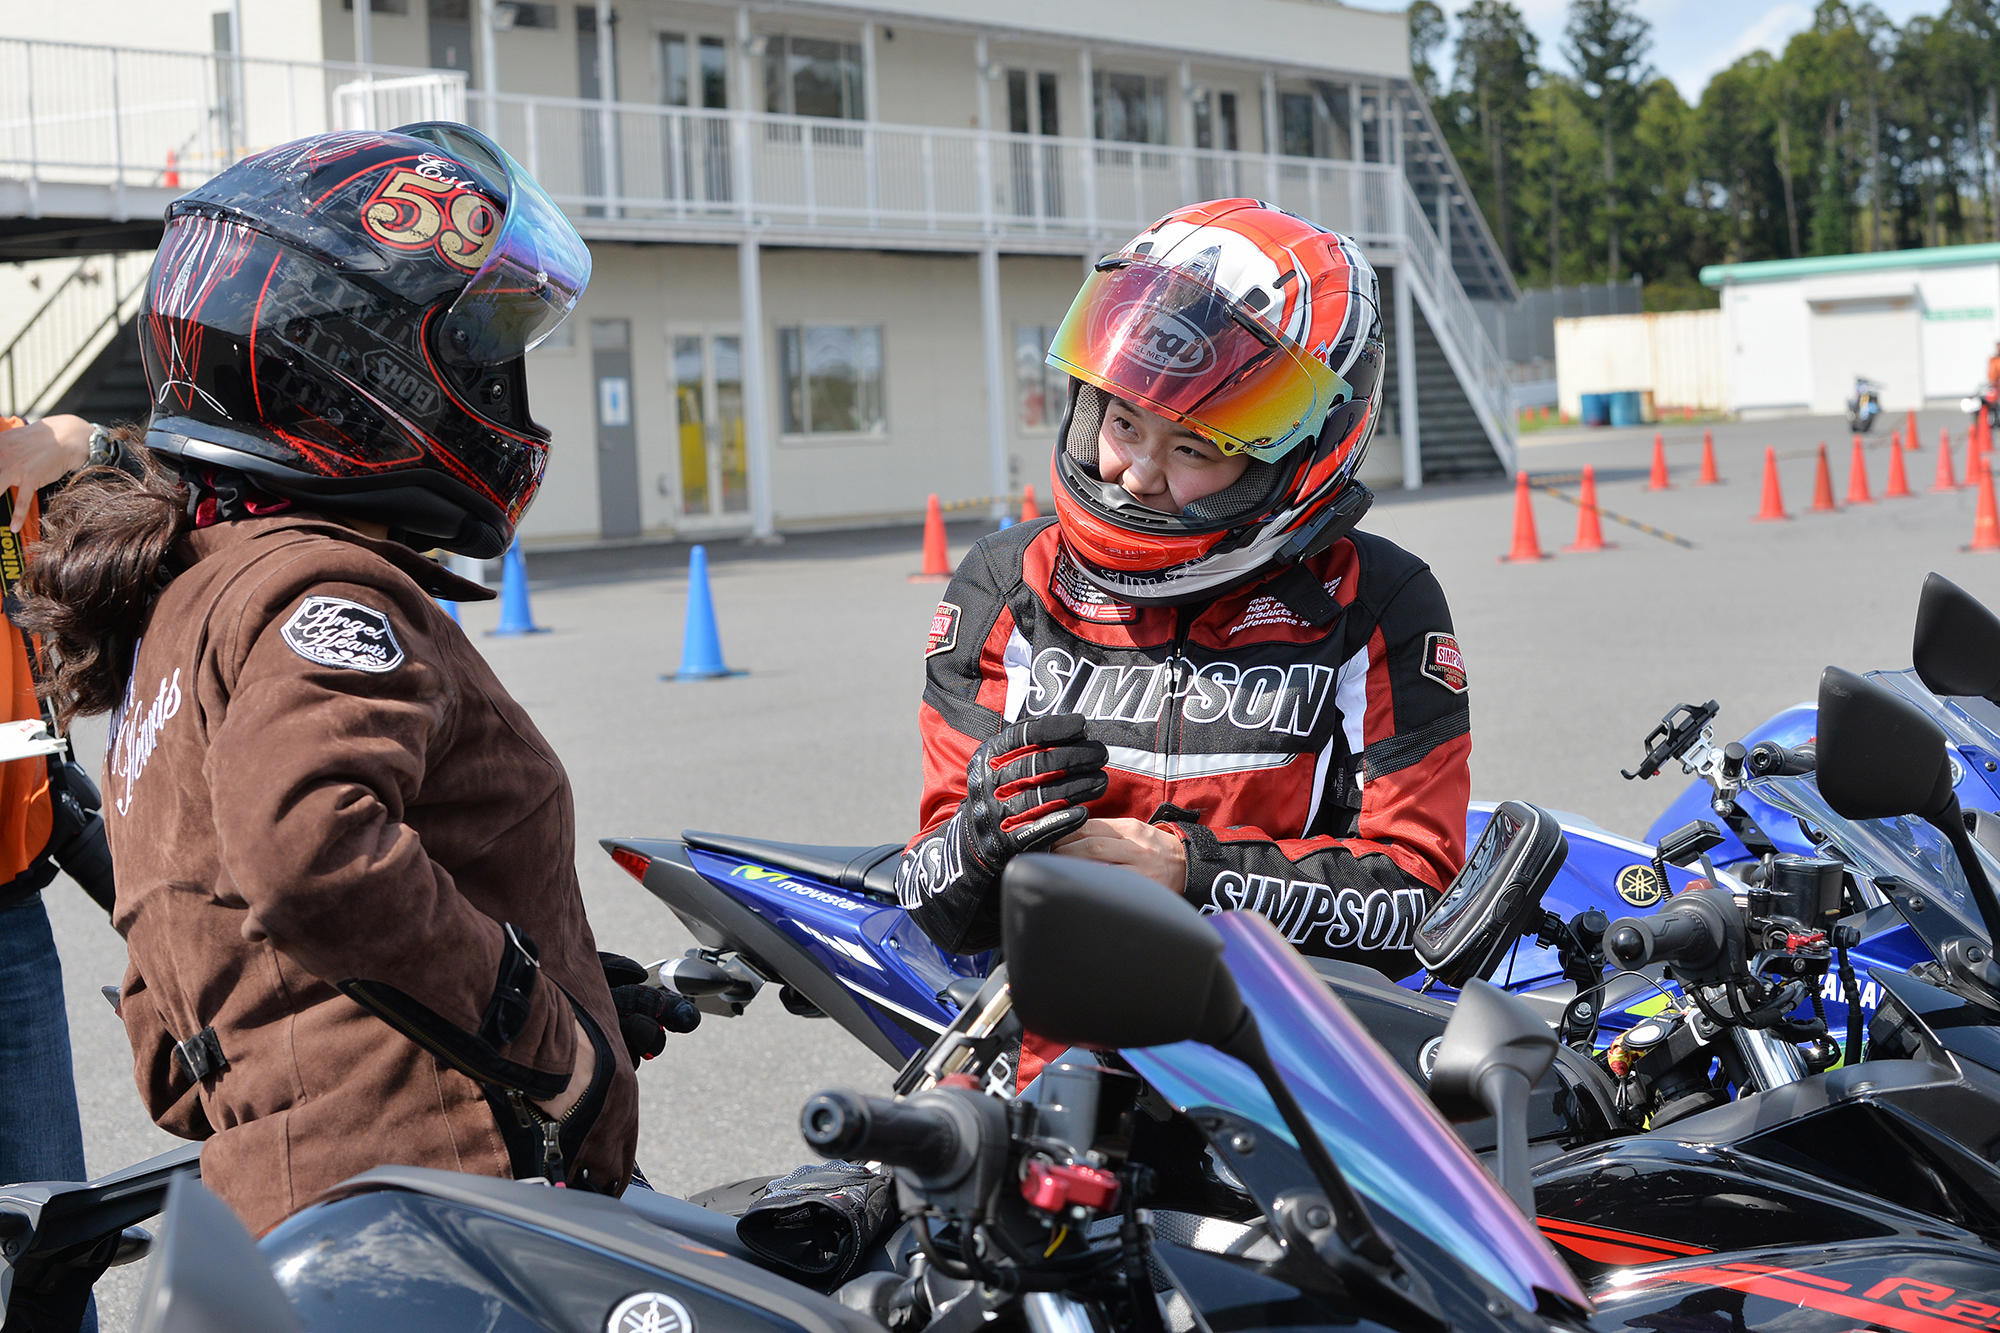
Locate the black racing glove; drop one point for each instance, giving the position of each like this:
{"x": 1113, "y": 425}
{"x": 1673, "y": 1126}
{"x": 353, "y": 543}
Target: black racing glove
{"x": 646, "y": 1014}
{"x": 1025, "y": 790}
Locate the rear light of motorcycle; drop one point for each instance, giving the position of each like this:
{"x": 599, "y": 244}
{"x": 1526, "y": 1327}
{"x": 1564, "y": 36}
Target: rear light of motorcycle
{"x": 634, "y": 863}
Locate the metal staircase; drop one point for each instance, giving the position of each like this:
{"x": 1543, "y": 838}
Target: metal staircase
{"x": 65, "y": 340}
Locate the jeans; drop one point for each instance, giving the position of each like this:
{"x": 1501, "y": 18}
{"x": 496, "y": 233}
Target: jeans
{"x": 41, "y": 1137}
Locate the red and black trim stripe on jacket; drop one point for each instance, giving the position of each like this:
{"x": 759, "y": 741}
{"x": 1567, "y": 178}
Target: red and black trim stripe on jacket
{"x": 1317, "y": 773}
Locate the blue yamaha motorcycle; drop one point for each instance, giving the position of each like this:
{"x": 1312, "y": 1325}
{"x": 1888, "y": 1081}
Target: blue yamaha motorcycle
{"x": 822, "y": 922}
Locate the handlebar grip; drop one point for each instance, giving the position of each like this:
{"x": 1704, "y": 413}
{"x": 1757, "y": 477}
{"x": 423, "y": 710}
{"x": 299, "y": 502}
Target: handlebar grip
{"x": 1687, "y": 933}
{"x": 1768, "y": 759}
{"x": 923, "y": 1138}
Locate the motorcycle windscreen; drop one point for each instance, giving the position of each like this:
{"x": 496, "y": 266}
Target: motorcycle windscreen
{"x": 1391, "y": 1144}
{"x": 1901, "y": 848}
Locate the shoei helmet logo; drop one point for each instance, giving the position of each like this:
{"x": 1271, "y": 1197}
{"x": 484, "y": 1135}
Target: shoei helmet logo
{"x": 1163, "y": 342}
{"x": 650, "y": 1312}
{"x": 1639, "y": 886}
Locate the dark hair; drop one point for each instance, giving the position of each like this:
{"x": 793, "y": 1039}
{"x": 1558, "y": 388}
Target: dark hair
{"x": 106, "y": 553}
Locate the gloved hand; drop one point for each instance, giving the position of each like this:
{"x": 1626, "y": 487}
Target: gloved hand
{"x": 646, "y": 1014}
{"x": 1025, "y": 790}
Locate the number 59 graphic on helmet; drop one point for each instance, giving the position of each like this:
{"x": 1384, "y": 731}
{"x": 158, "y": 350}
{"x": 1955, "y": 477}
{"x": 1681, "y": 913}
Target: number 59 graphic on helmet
{"x": 410, "y": 211}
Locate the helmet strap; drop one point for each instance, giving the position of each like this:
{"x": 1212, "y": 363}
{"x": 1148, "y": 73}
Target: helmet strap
{"x": 1301, "y": 593}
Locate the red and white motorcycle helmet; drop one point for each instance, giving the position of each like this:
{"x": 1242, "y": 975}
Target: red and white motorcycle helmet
{"x": 1261, "y": 332}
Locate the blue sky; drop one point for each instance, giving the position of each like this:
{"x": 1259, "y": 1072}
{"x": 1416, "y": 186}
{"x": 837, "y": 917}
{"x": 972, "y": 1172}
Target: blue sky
{"x": 1693, "y": 39}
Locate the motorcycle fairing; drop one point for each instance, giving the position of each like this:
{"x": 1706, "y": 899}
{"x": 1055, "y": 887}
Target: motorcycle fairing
{"x": 401, "y": 1247}
{"x": 1902, "y": 1286}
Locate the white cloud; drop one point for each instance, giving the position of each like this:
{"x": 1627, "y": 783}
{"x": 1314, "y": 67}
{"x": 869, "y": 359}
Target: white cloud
{"x": 1769, "y": 31}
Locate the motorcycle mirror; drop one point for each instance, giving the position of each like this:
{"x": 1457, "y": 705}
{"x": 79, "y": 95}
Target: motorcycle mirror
{"x": 1957, "y": 646}
{"x": 1161, "y": 981}
{"x": 207, "y": 1273}
{"x": 1494, "y": 1049}
{"x": 1879, "y": 756}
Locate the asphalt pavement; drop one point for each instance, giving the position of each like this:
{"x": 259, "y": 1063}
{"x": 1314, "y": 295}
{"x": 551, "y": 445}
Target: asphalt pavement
{"x": 1572, "y": 660}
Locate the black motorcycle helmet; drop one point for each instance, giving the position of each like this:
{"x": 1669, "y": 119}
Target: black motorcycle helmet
{"x": 344, "y": 320}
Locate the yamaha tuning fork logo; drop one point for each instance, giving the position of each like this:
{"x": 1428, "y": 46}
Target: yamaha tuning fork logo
{"x": 649, "y": 1312}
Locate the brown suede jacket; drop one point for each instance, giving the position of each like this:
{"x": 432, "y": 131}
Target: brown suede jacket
{"x": 316, "y": 779}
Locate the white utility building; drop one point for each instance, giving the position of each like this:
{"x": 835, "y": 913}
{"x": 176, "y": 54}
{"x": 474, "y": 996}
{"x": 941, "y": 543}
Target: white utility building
{"x": 1921, "y": 323}
{"x": 831, "y": 236}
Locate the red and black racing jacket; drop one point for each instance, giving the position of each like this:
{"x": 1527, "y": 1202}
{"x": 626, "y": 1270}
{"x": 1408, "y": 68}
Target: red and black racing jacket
{"x": 1317, "y": 772}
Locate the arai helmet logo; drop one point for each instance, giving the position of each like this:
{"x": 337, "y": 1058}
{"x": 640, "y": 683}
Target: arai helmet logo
{"x": 1163, "y": 342}
{"x": 650, "y": 1312}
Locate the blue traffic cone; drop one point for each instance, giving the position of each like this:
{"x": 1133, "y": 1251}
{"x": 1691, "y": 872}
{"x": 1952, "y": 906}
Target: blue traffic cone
{"x": 515, "y": 617}
{"x": 1006, "y": 522}
{"x": 701, "y": 642}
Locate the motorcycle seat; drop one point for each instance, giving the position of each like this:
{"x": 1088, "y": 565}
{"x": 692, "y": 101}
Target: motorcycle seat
{"x": 866, "y": 870}
{"x": 713, "y": 1229}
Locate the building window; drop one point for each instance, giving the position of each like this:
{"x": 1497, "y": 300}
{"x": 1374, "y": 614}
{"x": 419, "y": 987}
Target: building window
{"x": 831, "y": 379}
{"x": 1314, "y": 123}
{"x": 813, "y": 76}
{"x": 517, "y": 14}
{"x": 380, "y": 6}
{"x": 1213, "y": 112}
{"x": 1040, "y": 388}
{"x": 1131, "y": 108}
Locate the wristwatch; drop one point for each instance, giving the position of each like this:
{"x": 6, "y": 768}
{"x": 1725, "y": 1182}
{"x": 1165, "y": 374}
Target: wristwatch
{"x": 103, "y": 449}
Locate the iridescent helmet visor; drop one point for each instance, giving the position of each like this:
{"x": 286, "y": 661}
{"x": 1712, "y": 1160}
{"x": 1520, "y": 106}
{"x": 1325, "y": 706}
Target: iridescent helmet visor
{"x": 536, "y": 269}
{"x": 1168, "y": 339}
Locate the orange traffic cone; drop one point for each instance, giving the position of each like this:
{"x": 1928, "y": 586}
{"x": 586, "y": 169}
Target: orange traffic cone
{"x": 1658, "y": 481}
{"x": 1028, "y": 507}
{"x": 1527, "y": 547}
{"x": 1945, "y": 481}
{"x": 1899, "y": 480}
{"x": 1774, "y": 502}
{"x": 1857, "y": 477}
{"x": 937, "y": 562}
{"x": 1823, "y": 487}
{"x": 1910, "y": 429}
{"x": 1986, "y": 524}
{"x": 1708, "y": 476}
{"x": 1589, "y": 528}
{"x": 171, "y": 177}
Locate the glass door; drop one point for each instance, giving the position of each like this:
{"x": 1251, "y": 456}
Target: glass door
{"x": 693, "y": 72}
{"x": 708, "y": 408}
{"x": 1035, "y": 175}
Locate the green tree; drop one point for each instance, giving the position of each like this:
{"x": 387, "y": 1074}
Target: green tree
{"x": 1426, "y": 36}
{"x": 1494, "y": 76}
{"x": 1608, "y": 42}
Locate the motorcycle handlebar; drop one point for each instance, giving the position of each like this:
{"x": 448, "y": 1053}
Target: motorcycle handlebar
{"x": 1768, "y": 759}
{"x": 1688, "y": 933}
{"x": 921, "y": 1137}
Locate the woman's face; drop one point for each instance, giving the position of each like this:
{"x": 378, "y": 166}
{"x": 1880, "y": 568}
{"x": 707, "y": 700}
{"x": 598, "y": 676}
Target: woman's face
{"x": 1160, "y": 463}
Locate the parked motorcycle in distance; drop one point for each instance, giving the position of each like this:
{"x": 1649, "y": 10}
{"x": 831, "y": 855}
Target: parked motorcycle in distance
{"x": 1864, "y": 405}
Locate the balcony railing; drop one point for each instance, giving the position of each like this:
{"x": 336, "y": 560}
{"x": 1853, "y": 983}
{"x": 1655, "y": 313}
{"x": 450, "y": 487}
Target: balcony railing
{"x": 124, "y": 117}
{"x": 651, "y": 163}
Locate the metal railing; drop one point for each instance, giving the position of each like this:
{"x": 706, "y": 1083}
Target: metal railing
{"x": 126, "y": 116}
{"x": 638, "y": 162}
{"x": 1461, "y": 335}
{"x": 76, "y": 321}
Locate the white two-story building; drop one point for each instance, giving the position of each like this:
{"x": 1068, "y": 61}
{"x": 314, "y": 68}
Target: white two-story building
{"x": 831, "y": 238}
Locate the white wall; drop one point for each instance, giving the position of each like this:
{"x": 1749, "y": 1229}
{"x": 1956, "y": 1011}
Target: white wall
{"x": 1961, "y": 306}
{"x": 1680, "y": 357}
{"x": 1768, "y": 332}
{"x": 933, "y": 371}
